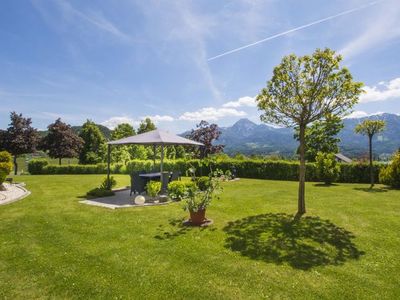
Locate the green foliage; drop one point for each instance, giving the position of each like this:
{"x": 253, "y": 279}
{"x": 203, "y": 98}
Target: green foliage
{"x": 35, "y": 166}
{"x": 327, "y": 168}
{"x": 94, "y": 148}
{"x": 321, "y": 136}
{"x": 122, "y": 153}
{"x": 177, "y": 190}
{"x": 98, "y": 193}
{"x": 370, "y": 127}
{"x": 146, "y": 125}
{"x": 5, "y": 165}
{"x": 197, "y": 199}
{"x": 61, "y": 141}
{"x": 153, "y": 188}
{"x": 390, "y": 175}
{"x": 108, "y": 184}
{"x": 202, "y": 182}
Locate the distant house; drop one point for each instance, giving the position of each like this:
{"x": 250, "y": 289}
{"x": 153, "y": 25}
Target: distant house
{"x": 342, "y": 158}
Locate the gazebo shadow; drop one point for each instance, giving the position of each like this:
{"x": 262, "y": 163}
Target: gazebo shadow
{"x": 302, "y": 243}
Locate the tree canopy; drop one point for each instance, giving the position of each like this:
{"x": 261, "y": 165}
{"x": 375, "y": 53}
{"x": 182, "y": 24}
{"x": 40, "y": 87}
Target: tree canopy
{"x": 61, "y": 141}
{"x": 207, "y": 134}
{"x": 20, "y": 137}
{"x": 305, "y": 89}
{"x": 146, "y": 125}
{"x": 94, "y": 148}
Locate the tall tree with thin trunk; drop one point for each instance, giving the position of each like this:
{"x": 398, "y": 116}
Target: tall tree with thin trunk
{"x": 19, "y": 138}
{"x": 370, "y": 128}
{"x": 61, "y": 141}
{"x": 306, "y": 89}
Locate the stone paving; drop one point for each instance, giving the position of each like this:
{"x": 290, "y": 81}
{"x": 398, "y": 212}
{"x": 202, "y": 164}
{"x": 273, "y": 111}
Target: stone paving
{"x": 121, "y": 199}
{"x": 13, "y": 192}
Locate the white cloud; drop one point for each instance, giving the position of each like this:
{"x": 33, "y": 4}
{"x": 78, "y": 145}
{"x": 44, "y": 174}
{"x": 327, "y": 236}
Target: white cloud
{"x": 158, "y": 118}
{"x": 243, "y": 101}
{"x": 211, "y": 114}
{"x": 384, "y": 91}
{"x": 362, "y": 114}
{"x": 115, "y": 121}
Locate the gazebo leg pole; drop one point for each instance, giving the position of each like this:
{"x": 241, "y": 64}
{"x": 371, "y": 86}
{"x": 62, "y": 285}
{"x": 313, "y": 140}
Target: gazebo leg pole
{"x": 154, "y": 156}
{"x": 162, "y": 159}
{"x": 108, "y": 163}
{"x": 162, "y": 177}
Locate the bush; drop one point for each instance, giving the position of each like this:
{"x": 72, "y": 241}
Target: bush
{"x": 98, "y": 193}
{"x": 5, "y": 165}
{"x": 36, "y": 166}
{"x": 327, "y": 169}
{"x": 390, "y": 175}
{"x": 177, "y": 190}
{"x": 153, "y": 188}
{"x": 108, "y": 185}
{"x": 202, "y": 183}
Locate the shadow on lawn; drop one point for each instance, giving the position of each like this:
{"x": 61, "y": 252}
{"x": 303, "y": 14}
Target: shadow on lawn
{"x": 325, "y": 185}
{"x": 176, "y": 229}
{"x": 303, "y": 243}
{"x": 373, "y": 190}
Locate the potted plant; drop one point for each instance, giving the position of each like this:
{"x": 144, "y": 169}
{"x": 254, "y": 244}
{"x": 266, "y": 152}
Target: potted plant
{"x": 197, "y": 200}
{"x": 153, "y": 189}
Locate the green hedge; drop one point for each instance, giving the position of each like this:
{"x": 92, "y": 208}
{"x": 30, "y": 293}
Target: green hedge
{"x": 258, "y": 169}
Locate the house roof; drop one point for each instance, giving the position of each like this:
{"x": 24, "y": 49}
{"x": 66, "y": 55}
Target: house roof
{"x": 342, "y": 157}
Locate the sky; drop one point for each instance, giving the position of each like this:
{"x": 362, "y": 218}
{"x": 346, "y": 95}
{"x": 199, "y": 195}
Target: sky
{"x": 179, "y": 62}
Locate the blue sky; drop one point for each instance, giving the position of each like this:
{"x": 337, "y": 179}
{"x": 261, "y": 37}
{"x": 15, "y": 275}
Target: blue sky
{"x": 120, "y": 61}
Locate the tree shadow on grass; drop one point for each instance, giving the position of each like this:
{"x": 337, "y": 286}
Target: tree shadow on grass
{"x": 372, "y": 190}
{"x": 325, "y": 185}
{"x": 303, "y": 243}
{"x": 176, "y": 229}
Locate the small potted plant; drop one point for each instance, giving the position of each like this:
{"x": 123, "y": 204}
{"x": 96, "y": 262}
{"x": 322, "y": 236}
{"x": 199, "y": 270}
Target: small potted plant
{"x": 153, "y": 189}
{"x": 197, "y": 200}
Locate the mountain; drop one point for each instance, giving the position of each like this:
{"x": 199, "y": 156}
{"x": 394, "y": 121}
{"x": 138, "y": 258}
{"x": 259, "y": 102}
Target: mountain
{"x": 249, "y": 138}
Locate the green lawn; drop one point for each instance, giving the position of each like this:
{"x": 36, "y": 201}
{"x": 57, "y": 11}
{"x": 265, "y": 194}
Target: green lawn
{"x": 346, "y": 247}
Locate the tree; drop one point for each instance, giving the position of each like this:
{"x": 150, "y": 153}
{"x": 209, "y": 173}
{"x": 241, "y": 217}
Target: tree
{"x": 370, "y": 128}
{"x": 20, "y": 137}
{"x": 94, "y": 147}
{"x": 321, "y": 136}
{"x": 61, "y": 141}
{"x": 146, "y": 125}
{"x": 5, "y": 167}
{"x": 306, "y": 89}
{"x": 122, "y": 153}
{"x": 207, "y": 134}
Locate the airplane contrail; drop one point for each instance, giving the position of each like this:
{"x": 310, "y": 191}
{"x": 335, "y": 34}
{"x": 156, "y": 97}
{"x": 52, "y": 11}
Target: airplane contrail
{"x": 346, "y": 12}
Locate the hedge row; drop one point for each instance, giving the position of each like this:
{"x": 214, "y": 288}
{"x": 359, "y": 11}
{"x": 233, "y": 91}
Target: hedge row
{"x": 258, "y": 169}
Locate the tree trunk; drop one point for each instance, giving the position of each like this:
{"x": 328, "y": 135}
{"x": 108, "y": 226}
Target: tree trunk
{"x": 59, "y": 161}
{"x": 302, "y": 173}
{"x": 15, "y": 165}
{"x": 371, "y": 167}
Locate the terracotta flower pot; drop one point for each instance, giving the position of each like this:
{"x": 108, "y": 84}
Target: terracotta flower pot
{"x": 197, "y": 217}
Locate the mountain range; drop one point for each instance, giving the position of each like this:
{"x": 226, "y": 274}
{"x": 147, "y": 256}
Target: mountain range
{"x": 250, "y": 138}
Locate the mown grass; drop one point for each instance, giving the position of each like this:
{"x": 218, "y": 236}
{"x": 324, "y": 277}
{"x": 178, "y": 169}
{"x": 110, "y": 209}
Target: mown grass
{"x": 346, "y": 247}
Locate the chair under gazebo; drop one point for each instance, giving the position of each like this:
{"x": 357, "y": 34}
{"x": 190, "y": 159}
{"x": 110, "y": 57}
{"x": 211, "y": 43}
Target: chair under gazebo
{"x": 151, "y": 138}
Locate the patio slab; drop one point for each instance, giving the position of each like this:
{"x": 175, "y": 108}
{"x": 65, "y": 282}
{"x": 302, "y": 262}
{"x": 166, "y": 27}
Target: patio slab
{"x": 13, "y": 192}
{"x": 121, "y": 199}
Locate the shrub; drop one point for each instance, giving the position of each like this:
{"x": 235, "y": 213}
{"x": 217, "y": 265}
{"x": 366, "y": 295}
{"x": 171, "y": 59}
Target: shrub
{"x": 177, "y": 190}
{"x": 108, "y": 184}
{"x": 98, "y": 193}
{"x": 35, "y": 166}
{"x": 5, "y": 165}
{"x": 390, "y": 175}
{"x": 202, "y": 183}
{"x": 327, "y": 169}
{"x": 153, "y": 188}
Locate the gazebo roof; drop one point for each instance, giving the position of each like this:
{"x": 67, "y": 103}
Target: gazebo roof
{"x": 155, "y": 137}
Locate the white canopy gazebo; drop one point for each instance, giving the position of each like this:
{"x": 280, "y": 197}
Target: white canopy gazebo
{"x": 151, "y": 138}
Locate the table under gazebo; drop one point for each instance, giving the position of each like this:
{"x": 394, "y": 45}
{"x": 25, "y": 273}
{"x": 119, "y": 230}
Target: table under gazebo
{"x": 151, "y": 138}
